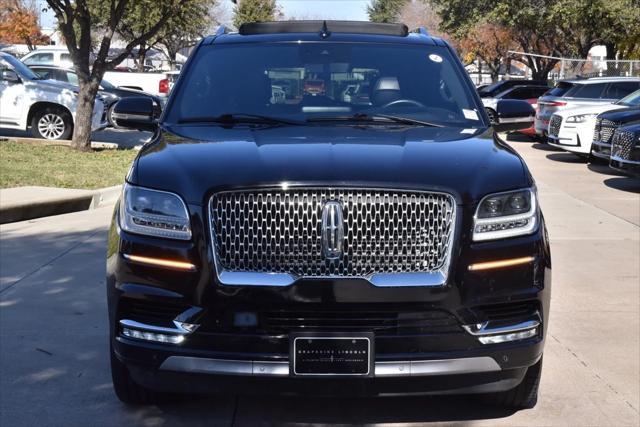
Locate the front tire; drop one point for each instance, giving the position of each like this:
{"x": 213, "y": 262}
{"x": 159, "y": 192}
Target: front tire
{"x": 524, "y": 396}
{"x": 53, "y": 123}
{"x": 127, "y": 390}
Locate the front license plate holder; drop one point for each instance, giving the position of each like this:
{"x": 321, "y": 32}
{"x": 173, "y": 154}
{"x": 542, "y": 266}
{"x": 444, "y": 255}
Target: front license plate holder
{"x": 332, "y": 354}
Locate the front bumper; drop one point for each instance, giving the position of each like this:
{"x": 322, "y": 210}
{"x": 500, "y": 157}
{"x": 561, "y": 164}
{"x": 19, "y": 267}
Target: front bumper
{"x": 573, "y": 138}
{"x": 242, "y": 341}
{"x": 601, "y": 150}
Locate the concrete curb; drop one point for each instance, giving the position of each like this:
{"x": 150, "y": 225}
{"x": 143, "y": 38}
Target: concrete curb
{"x": 67, "y": 143}
{"x": 58, "y": 201}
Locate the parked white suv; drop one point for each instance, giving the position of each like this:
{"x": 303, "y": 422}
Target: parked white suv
{"x": 56, "y": 56}
{"x": 572, "y": 129}
{"x": 47, "y": 106}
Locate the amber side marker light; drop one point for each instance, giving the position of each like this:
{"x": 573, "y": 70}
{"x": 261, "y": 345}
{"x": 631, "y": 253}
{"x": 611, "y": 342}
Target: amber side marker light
{"x": 501, "y": 264}
{"x": 159, "y": 262}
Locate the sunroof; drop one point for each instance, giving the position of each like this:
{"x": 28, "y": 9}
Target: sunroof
{"x": 324, "y": 27}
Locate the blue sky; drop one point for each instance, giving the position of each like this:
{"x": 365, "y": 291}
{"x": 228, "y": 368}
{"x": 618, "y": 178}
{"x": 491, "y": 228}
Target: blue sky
{"x": 328, "y": 9}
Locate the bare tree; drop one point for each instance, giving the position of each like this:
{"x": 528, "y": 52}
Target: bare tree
{"x": 76, "y": 21}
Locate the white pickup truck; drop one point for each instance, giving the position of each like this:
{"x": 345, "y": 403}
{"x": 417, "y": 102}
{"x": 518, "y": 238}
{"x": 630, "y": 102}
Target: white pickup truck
{"x": 154, "y": 83}
{"x": 47, "y": 106}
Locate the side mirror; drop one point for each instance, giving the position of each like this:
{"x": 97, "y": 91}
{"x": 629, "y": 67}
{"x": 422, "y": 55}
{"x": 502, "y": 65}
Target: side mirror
{"x": 135, "y": 113}
{"x": 10, "y": 76}
{"x": 513, "y": 114}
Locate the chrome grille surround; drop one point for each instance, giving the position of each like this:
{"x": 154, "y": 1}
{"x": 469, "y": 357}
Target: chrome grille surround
{"x": 273, "y": 236}
{"x": 554, "y": 125}
{"x": 622, "y": 145}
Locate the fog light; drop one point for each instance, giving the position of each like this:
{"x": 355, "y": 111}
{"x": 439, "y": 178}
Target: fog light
{"x": 513, "y": 336}
{"x": 153, "y": 336}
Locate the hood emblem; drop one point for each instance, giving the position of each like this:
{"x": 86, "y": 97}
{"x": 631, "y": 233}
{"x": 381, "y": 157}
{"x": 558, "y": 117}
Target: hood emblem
{"x": 332, "y": 230}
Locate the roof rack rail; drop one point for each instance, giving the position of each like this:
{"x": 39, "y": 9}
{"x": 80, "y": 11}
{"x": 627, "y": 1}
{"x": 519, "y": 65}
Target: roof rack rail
{"x": 324, "y": 28}
{"x": 420, "y": 30}
{"x": 222, "y": 29}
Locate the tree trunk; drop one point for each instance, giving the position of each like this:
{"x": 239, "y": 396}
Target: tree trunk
{"x": 172, "y": 59}
{"x": 142, "y": 55}
{"x": 84, "y": 114}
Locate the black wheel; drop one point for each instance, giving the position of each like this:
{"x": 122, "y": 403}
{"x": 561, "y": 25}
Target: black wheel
{"x": 51, "y": 122}
{"x": 493, "y": 116}
{"x": 127, "y": 390}
{"x": 524, "y": 396}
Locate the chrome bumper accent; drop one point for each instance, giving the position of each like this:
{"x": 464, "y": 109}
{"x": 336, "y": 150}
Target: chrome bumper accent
{"x": 624, "y": 161}
{"x": 482, "y": 329}
{"x": 281, "y": 369}
{"x": 246, "y": 278}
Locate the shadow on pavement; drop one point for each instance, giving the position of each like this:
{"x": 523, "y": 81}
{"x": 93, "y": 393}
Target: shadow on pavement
{"x": 546, "y": 147}
{"x": 623, "y": 183}
{"x": 604, "y": 169}
{"x": 565, "y": 158}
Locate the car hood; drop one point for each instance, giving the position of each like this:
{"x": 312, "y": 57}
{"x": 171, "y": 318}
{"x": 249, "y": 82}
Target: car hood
{"x": 54, "y": 85}
{"x": 195, "y": 161}
{"x": 592, "y": 109}
{"x": 622, "y": 115}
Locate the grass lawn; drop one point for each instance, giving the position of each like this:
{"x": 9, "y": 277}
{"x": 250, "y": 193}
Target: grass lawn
{"x": 24, "y": 164}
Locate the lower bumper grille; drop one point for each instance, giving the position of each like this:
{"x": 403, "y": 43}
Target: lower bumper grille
{"x": 507, "y": 312}
{"x": 153, "y": 312}
{"x": 381, "y": 322}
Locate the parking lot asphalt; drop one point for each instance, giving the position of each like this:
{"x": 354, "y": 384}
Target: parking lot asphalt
{"x": 54, "y": 367}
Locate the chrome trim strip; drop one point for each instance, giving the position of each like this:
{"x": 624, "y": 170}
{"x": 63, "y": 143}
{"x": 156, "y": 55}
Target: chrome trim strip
{"x": 249, "y": 278}
{"x": 132, "y": 117}
{"x": 482, "y": 329}
{"x": 281, "y": 368}
{"x": 627, "y": 161}
{"x": 437, "y": 278}
{"x": 179, "y": 329}
{"x": 515, "y": 120}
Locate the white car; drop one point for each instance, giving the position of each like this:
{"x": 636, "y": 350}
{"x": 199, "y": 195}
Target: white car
{"x": 56, "y": 56}
{"x": 572, "y": 129}
{"x": 47, "y": 106}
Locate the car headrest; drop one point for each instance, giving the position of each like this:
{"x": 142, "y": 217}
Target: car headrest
{"x": 386, "y": 90}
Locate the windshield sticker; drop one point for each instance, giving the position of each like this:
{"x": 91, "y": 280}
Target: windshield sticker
{"x": 470, "y": 114}
{"x": 435, "y": 58}
{"x": 468, "y": 131}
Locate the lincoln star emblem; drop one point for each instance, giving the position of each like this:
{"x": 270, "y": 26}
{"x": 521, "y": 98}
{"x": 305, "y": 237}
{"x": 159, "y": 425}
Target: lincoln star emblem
{"x": 332, "y": 230}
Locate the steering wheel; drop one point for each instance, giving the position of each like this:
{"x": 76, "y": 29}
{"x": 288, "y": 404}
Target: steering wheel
{"x": 410, "y": 102}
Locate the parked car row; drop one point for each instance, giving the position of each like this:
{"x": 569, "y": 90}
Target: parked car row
{"x": 42, "y": 98}
{"x": 597, "y": 119}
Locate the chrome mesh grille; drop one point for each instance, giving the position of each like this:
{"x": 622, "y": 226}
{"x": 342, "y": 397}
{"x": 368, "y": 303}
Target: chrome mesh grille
{"x": 554, "y": 125}
{"x": 385, "y": 231}
{"x": 622, "y": 145}
{"x": 603, "y": 131}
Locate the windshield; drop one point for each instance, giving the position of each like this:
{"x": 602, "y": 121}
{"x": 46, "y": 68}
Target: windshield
{"x": 105, "y": 84}
{"x": 323, "y": 81}
{"x": 560, "y": 89}
{"x": 631, "y": 100}
{"x": 491, "y": 90}
{"x": 24, "y": 71}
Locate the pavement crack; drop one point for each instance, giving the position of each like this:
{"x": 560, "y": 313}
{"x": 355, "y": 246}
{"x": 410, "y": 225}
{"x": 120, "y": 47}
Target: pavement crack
{"x": 595, "y": 374}
{"x": 51, "y": 261}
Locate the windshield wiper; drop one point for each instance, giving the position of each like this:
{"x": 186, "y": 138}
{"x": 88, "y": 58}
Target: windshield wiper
{"x": 380, "y": 118}
{"x": 236, "y": 118}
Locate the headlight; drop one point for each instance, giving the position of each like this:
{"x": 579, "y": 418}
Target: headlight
{"x": 507, "y": 214}
{"x": 154, "y": 213}
{"x": 580, "y": 118}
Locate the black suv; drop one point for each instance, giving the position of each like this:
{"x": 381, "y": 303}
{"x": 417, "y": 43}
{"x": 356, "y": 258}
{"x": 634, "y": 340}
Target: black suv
{"x": 277, "y": 236}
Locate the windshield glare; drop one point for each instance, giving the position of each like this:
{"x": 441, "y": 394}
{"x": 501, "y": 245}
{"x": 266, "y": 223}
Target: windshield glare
{"x": 632, "y": 100}
{"x": 306, "y": 81}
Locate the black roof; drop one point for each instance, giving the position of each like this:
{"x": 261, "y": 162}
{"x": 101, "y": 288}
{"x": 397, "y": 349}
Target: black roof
{"x": 324, "y": 28}
{"x": 340, "y": 31}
